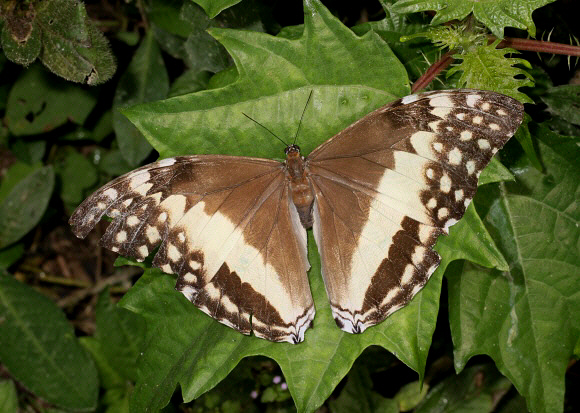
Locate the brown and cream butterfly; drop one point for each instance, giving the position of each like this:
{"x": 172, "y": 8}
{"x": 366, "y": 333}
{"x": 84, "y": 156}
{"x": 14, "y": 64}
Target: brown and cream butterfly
{"x": 377, "y": 195}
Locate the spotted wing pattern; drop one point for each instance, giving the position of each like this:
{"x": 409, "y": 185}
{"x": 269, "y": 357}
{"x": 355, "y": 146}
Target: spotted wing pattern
{"x": 225, "y": 226}
{"x": 388, "y": 185}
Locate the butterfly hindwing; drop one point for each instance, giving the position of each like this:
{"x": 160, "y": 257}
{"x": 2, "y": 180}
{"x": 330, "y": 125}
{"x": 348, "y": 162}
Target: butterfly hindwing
{"x": 387, "y": 186}
{"x": 221, "y": 224}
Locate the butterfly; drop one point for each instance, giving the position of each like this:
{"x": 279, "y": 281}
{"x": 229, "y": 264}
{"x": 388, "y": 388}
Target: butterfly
{"x": 377, "y": 196}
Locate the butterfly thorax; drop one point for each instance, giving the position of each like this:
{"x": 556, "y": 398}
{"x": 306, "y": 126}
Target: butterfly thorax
{"x": 302, "y": 194}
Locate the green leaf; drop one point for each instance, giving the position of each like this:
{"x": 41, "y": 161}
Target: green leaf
{"x": 495, "y": 172}
{"x": 39, "y": 102}
{"x": 30, "y": 152}
{"x": 72, "y": 45}
{"x": 410, "y": 395}
{"x": 215, "y": 7}
{"x": 24, "y": 205}
{"x": 13, "y": 175}
{"x": 10, "y": 255}
{"x": 73, "y": 186}
{"x": 476, "y": 389}
{"x": 528, "y": 317}
{"x": 524, "y": 137}
{"x": 189, "y": 82}
{"x": 485, "y": 67}
{"x": 39, "y": 349}
{"x": 145, "y": 80}
{"x": 495, "y": 14}
{"x": 564, "y": 102}
{"x": 357, "y": 396}
{"x": 121, "y": 335}
{"x": 8, "y": 397}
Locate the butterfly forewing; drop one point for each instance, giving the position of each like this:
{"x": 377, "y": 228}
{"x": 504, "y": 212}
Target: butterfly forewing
{"x": 387, "y": 186}
{"x": 222, "y": 224}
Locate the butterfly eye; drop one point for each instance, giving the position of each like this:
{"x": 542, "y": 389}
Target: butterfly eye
{"x": 292, "y": 149}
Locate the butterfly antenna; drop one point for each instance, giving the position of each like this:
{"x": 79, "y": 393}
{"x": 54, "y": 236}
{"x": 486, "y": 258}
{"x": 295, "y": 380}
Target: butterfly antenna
{"x": 276, "y": 136}
{"x": 303, "y": 112}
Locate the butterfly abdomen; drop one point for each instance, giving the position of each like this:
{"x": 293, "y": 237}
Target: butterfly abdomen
{"x": 302, "y": 194}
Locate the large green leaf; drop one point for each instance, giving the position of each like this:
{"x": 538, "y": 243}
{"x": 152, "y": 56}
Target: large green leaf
{"x": 23, "y": 207}
{"x": 349, "y": 77}
{"x": 40, "y": 102}
{"x": 145, "y": 79}
{"x": 39, "y": 349}
{"x": 528, "y": 317}
{"x": 495, "y": 14}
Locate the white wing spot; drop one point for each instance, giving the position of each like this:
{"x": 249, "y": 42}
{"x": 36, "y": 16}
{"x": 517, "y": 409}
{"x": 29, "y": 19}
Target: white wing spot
{"x": 181, "y": 237}
{"x": 407, "y": 274}
{"x": 501, "y": 112}
{"x": 190, "y": 278}
{"x": 441, "y": 112}
{"x": 466, "y": 202}
{"x": 485, "y": 106}
{"x": 101, "y": 205}
{"x": 143, "y": 250}
{"x": 173, "y": 253}
{"x": 434, "y": 126}
{"x": 441, "y": 101}
{"x": 430, "y": 174}
{"x": 162, "y": 217}
{"x": 466, "y": 135}
{"x": 438, "y": 146}
{"x": 432, "y": 203}
{"x": 494, "y": 126}
{"x": 390, "y": 295}
{"x": 459, "y": 195}
{"x": 194, "y": 265}
{"x": 152, "y": 234}
{"x": 442, "y": 213}
{"x": 483, "y": 144}
{"x": 477, "y": 120}
{"x": 133, "y": 220}
{"x": 418, "y": 255}
{"x": 424, "y": 233}
{"x": 111, "y": 193}
{"x": 460, "y": 116}
{"x": 114, "y": 213}
{"x": 166, "y": 268}
{"x": 139, "y": 179}
{"x": 455, "y": 156}
{"x": 409, "y": 99}
{"x": 166, "y": 162}
{"x": 449, "y": 128}
{"x": 115, "y": 249}
{"x": 472, "y": 100}
{"x": 142, "y": 189}
{"x": 121, "y": 236}
{"x": 127, "y": 202}
{"x": 445, "y": 183}
{"x": 470, "y": 165}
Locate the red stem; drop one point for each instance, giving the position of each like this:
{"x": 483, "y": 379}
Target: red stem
{"x": 436, "y": 68}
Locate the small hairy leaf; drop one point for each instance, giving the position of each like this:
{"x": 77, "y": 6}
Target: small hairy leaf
{"x": 39, "y": 349}
{"x": 485, "y": 67}
{"x": 72, "y": 46}
{"x": 495, "y": 14}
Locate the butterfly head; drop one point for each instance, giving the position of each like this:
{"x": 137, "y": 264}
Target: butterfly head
{"x": 292, "y": 150}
